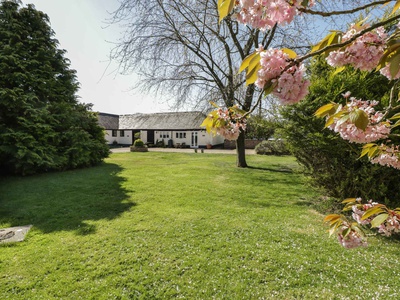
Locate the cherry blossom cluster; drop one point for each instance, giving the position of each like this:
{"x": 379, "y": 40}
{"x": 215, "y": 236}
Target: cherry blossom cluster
{"x": 230, "y": 124}
{"x": 349, "y": 131}
{"x": 360, "y": 209}
{"x": 290, "y": 86}
{"x": 364, "y": 53}
{"x": 389, "y": 156}
{"x": 387, "y": 228}
{"x": 264, "y": 14}
{"x": 352, "y": 240}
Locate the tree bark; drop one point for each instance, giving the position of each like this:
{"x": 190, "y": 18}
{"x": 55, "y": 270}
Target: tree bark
{"x": 241, "y": 151}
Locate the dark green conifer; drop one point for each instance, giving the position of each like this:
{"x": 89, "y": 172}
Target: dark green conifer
{"x": 43, "y": 127}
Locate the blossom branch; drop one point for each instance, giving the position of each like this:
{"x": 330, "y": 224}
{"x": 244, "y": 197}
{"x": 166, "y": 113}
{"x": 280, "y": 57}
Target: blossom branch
{"x": 342, "y": 12}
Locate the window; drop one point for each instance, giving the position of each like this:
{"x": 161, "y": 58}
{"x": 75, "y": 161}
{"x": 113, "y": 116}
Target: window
{"x": 121, "y": 133}
{"x": 177, "y": 135}
{"x": 180, "y": 135}
{"x": 114, "y": 132}
{"x": 184, "y": 135}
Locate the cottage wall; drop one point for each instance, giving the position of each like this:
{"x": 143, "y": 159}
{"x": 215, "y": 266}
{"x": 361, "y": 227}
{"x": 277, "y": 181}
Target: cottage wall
{"x": 108, "y": 136}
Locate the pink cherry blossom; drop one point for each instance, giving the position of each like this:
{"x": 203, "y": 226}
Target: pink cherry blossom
{"x": 352, "y": 240}
{"x": 264, "y": 14}
{"x": 229, "y": 124}
{"x": 389, "y": 157}
{"x": 375, "y": 130}
{"x": 364, "y": 53}
{"x": 290, "y": 85}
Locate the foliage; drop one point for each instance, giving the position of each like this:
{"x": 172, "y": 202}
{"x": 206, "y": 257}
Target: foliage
{"x": 260, "y": 128}
{"x": 138, "y": 143}
{"x": 272, "y": 147}
{"x": 351, "y": 234}
{"x": 109, "y": 232}
{"x": 331, "y": 162}
{"x": 43, "y": 127}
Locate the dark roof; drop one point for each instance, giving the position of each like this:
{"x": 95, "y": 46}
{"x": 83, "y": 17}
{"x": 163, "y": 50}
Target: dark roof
{"x": 162, "y": 121}
{"x": 108, "y": 121}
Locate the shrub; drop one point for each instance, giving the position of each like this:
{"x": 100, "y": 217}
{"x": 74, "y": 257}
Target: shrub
{"x": 272, "y": 147}
{"x": 331, "y": 162}
{"x": 138, "y": 143}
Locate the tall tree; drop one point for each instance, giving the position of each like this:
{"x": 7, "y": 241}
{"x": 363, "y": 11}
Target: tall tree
{"x": 42, "y": 125}
{"x": 180, "y": 48}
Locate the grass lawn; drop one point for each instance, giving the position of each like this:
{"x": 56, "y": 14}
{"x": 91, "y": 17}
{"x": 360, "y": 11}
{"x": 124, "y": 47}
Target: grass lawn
{"x": 178, "y": 225}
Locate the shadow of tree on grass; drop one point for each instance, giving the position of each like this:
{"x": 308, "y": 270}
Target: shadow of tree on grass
{"x": 66, "y": 200}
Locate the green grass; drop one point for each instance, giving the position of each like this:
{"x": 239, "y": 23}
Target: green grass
{"x": 189, "y": 226}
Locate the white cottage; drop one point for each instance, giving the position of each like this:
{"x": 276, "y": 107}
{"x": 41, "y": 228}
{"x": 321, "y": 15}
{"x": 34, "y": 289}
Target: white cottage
{"x": 175, "y": 129}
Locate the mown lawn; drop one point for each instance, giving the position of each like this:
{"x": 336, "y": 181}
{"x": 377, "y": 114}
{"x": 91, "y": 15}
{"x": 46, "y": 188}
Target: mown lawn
{"x": 189, "y": 226}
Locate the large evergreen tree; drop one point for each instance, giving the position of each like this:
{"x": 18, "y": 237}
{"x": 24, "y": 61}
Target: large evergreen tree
{"x": 43, "y": 127}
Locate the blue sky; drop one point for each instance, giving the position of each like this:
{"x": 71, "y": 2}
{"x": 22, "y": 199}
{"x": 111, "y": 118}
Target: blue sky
{"x": 81, "y": 29}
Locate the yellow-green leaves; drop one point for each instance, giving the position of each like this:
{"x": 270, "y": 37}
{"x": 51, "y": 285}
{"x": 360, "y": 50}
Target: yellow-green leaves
{"x": 334, "y": 113}
{"x": 396, "y": 117}
{"x": 224, "y": 8}
{"x": 325, "y": 110}
{"x": 251, "y": 64}
{"x": 391, "y": 55}
{"x": 371, "y": 150}
{"x": 210, "y": 122}
{"x": 396, "y": 7}
{"x": 359, "y": 118}
{"x": 334, "y": 37}
{"x": 334, "y": 221}
{"x": 289, "y": 52}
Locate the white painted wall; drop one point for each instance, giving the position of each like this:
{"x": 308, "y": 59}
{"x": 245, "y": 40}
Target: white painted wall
{"x": 143, "y": 136}
{"x": 109, "y": 138}
{"x": 126, "y": 139}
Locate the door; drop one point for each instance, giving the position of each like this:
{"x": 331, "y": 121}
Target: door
{"x": 194, "y": 140}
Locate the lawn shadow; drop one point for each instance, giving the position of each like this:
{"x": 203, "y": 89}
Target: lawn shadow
{"x": 65, "y": 200}
{"x": 282, "y": 169}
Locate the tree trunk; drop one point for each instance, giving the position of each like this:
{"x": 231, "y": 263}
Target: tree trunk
{"x": 241, "y": 151}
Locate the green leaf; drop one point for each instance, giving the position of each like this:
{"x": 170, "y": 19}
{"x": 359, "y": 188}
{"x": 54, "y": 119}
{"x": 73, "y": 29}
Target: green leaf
{"x": 214, "y": 104}
{"x": 375, "y": 210}
{"x": 367, "y": 148}
{"x": 331, "y": 217}
{"x": 338, "y": 70}
{"x": 349, "y": 200}
{"x": 346, "y": 232}
{"x": 374, "y": 151}
{"x": 224, "y": 8}
{"x": 359, "y": 118}
{"x": 388, "y": 54}
{"x": 327, "y": 109}
{"x": 332, "y": 38}
{"x": 289, "y": 52}
{"x": 246, "y": 61}
{"x": 252, "y": 75}
{"x": 396, "y": 7}
{"x": 395, "y": 117}
{"x": 395, "y": 64}
{"x": 378, "y": 220}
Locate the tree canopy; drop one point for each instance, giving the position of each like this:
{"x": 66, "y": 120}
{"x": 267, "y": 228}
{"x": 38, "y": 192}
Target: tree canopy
{"x": 43, "y": 126}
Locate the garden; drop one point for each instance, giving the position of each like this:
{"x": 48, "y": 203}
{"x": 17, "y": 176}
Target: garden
{"x": 183, "y": 225}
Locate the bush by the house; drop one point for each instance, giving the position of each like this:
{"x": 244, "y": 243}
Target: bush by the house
{"x": 272, "y": 147}
{"x": 138, "y": 143}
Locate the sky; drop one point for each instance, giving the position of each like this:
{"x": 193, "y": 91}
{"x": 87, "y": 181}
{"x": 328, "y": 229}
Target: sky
{"x": 81, "y": 28}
